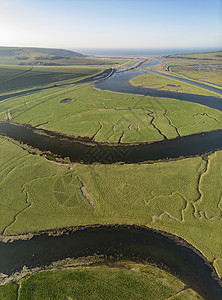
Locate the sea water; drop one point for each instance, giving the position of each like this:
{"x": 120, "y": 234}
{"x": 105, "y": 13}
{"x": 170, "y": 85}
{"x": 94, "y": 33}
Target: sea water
{"x": 139, "y": 52}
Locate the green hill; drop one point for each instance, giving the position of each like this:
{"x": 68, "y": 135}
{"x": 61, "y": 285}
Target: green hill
{"x": 37, "y": 56}
{"x": 26, "y": 56}
{"x": 30, "y": 51}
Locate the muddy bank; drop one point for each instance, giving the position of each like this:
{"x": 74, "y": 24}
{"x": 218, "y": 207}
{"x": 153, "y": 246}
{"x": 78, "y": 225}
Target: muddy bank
{"x": 136, "y": 243}
{"x": 67, "y": 263}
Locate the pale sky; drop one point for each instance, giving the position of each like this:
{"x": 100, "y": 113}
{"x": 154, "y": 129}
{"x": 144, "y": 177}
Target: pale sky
{"x": 111, "y": 24}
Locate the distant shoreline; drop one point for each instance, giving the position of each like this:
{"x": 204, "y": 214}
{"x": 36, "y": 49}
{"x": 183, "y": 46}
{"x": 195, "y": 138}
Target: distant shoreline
{"x": 140, "y": 52}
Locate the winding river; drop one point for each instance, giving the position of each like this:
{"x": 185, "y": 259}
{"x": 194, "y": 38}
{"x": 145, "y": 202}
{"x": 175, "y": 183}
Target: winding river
{"x": 129, "y": 242}
{"x": 88, "y": 152}
{"x": 119, "y": 82}
{"x": 116, "y": 242}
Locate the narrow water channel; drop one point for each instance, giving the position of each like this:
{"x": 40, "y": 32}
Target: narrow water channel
{"x": 190, "y": 81}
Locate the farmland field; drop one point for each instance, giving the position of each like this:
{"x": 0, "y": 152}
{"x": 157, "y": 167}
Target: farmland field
{"x": 17, "y": 79}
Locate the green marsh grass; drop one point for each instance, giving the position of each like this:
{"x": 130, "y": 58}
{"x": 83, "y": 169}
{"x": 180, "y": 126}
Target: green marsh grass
{"x": 8, "y": 291}
{"x": 159, "y": 82}
{"x": 204, "y": 67}
{"x": 107, "y": 116}
{"x": 37, "y": 194}
{"x": 131, "y": 281}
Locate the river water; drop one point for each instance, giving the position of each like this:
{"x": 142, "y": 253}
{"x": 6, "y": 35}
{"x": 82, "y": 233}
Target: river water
{"x": 125, "y": 242}
{"x": 119, "y": 82}
{"x": 92, "y": 152}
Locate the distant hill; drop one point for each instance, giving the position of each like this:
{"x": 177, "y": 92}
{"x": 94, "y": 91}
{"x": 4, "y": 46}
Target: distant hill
{"x": 13, "y": 51}
{"x": 37, "y": 56}
{"x": 214, "y": 55}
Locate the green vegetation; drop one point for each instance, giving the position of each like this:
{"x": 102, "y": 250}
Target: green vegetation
{"x": 182, "y": 197}
{"x": 17, "y": 79}
{"x": 128, "y": 62}
{"x": 37, "y": 194}
{"x": 162, "y": 83}
{"x": 109, "y": 116}
{"x": 49, "y": 57}
{"x": 207, "y": 75}
{"x": 36, "y": 56}
{"x": 218, "y": 265}
{"x": 204, "y": 67}
{"x": 212, "y": 56}
{"x": 26, "y": 170}
{"x": 8, "y": 291}
{"x": 123, "y": 280}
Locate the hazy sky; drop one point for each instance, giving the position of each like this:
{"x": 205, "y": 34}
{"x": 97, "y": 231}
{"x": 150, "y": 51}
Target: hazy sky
{"x": 111, "y": 23}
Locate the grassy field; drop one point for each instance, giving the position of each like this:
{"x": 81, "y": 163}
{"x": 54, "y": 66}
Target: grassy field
{"x": 162, "y": 83}
{"x": 16, "y": 78}
{"x": 8, "y": 291}
{"x": 24, "y": 69}
{"x": 215, "y": 56}
{"x": 122, "y": 280}
{"x": 108, "y": 116}
{"x": 206, "y": 67}
{"x": 205, "y": 75}
{"x": 175, "y": 196}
